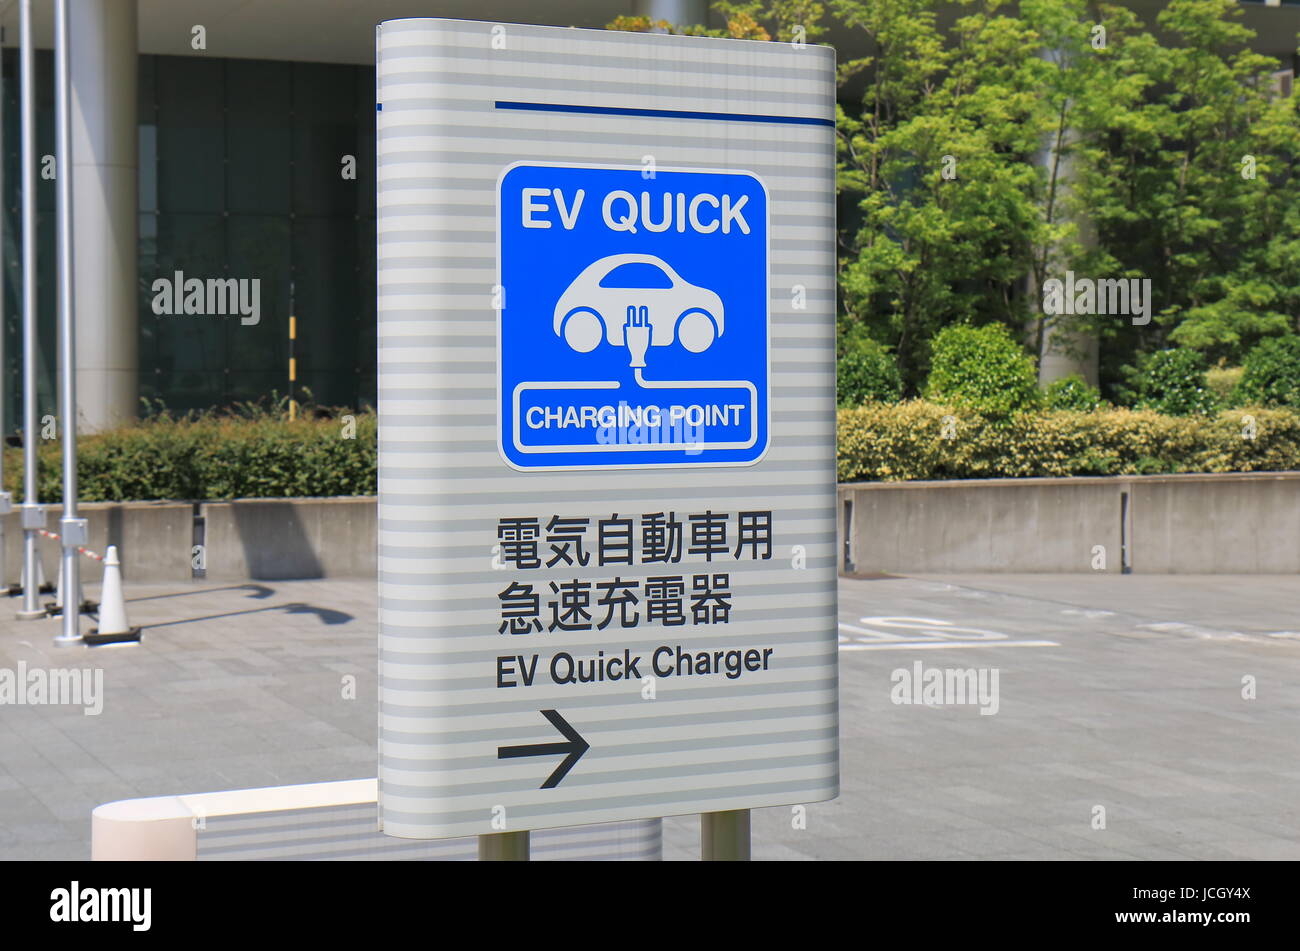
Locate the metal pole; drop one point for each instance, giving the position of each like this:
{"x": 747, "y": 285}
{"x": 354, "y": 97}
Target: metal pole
{"x": 724, "y": 836}
{"x": 71, "y": 528}
{"x": 6, "y": 501}
{"x": 293, "y": 363}
{"x": 33, "y": 514}
{"x": 503, "y": 847}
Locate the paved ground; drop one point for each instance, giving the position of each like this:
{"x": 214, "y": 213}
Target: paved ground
{"x": 1124, "y": 693}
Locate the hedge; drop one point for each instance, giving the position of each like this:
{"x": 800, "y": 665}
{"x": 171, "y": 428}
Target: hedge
{"x": 923, "y": 440}
{"x": 211, "y": 458}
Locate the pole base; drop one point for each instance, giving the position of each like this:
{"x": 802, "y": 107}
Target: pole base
{"x": 61, "y": 641}
{"x": 16, "y": 589}
{"x": 95, "y": 639}
{"x": 56, "y": 610}
{"x": 31, "y": 615}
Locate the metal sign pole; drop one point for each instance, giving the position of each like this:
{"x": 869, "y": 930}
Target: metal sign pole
{"x": 33, "y": 516}
{"x": 724, "y": 836}
{"x": 71, "y": 529}
{"x": 503, "y": 847}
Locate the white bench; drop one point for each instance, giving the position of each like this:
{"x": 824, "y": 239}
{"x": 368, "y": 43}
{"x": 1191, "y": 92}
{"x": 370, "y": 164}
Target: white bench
{"x": 321, "y": 821}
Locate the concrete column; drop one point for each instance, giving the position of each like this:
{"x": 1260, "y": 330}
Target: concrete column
{"x": 1066, "y": 349}
{"x": 105, "y": 205}
{"x": 676, "y": 12}
{"x": 1066, "y": 352}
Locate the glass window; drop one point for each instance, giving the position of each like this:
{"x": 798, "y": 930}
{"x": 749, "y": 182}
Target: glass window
{"x": 324, "y": 134}
{"x": 639, "y": 274}
{"x": 258, "y": 108}
{"x": 241, "y": 180}
{"x": 191, "y": 134}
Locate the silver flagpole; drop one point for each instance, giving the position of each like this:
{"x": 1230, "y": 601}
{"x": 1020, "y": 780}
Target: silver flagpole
{"x": 6, "y": 501}
{"x": 33, "y": 514}
{"x": 71, "y": 528}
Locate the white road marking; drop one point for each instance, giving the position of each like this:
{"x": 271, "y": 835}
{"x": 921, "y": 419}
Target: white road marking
{"x": 941, "y": 645}
{"x": 923, "y": 634}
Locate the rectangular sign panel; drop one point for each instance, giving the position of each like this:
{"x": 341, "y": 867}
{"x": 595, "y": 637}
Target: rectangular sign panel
{"x": 606, "y": 278}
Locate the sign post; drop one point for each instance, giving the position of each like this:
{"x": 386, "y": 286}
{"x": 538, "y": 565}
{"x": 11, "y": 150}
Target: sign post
{"x": 503, "y": 847}
{"x": 606, "y": 295}
{"x": 724, "y": 836}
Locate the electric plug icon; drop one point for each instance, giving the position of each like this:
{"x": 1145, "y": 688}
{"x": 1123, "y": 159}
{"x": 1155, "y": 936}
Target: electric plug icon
{"x": 636, "y": 334}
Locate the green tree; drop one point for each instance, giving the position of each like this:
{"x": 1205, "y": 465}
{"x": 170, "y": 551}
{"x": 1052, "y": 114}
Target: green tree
{"x": 937, "y": 161}
{"x": 1094, "y": 78}
{"x": 980, "y": 157}
{"x": 1169, "y": 191}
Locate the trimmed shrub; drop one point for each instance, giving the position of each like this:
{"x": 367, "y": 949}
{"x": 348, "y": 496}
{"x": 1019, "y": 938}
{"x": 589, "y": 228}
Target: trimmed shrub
{"x": 981, "y": 369}
{"x": 1173, "y": 382}
{"x": 1270, "y": 375}
{"x": 865, "y": 372}
{"x": 1071, "y": 392}
{"x": 212, "y": 458}
{"x": 909, "y": 440}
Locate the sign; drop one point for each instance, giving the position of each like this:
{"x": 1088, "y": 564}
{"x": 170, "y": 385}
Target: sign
{"x": 628, "y": 301}
{"x": 607, "y": 516}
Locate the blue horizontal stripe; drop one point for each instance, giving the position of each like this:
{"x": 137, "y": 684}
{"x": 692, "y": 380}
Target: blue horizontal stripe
{"x": 663, "y": 113}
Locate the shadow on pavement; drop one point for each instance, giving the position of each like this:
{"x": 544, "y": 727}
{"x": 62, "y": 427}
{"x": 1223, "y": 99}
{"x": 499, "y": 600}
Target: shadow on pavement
{"x": 326, "y": 615}
{"x": 258, "y": 591}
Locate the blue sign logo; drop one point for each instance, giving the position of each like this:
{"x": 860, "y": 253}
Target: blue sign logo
{"x": 633, "y": 317}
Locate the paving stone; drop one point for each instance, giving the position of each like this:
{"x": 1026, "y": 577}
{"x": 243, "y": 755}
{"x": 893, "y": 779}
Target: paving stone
{"x": 1138, "y": 709}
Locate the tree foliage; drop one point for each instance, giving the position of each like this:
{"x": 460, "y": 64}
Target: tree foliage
{"x": 982, "y": 155}
{"x": 1271, "y": 374}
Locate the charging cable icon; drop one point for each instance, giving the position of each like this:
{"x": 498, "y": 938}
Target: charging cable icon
{"x": 636, "y": 334}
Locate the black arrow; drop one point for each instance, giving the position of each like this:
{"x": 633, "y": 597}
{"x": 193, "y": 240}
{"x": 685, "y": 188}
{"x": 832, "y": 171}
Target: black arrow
{"x": 574, "y": 749}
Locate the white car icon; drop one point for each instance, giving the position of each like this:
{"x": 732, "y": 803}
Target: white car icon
{"x": 595, "y": 304}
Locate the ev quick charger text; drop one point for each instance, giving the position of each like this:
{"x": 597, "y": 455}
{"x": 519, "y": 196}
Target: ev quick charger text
{"x": 633, "y": 317}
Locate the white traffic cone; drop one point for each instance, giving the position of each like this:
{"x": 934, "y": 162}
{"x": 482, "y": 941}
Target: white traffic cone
{"x": 80, "y": 603}
{"x": 113, "y": 625}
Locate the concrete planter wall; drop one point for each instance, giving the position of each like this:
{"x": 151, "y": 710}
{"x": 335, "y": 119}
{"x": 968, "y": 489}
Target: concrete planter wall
{"x": 1235, "y": 523}
{"x": 277, "y": 539}
{"x": 153, "y": 540}
{"x": 1231, "y": 523}
{"x": 247, "y": 539}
